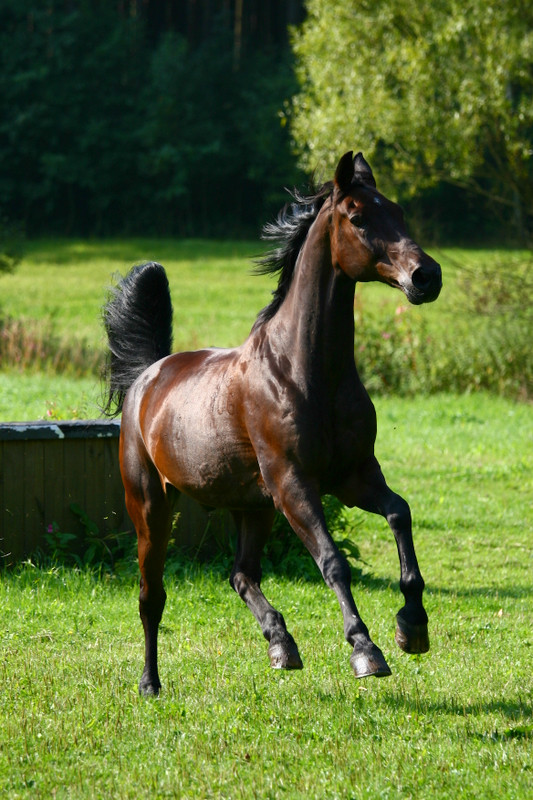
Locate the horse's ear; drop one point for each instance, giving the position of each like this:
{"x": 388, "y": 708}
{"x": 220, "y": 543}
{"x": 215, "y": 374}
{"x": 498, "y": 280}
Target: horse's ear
{"x": 362, "y": 171}
{"x": 344, "y": 172}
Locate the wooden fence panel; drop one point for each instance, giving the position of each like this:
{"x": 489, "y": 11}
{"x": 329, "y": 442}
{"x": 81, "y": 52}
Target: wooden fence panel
{"x": 47, "y": 467}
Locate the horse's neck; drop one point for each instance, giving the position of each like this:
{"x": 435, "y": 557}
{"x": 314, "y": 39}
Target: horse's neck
{"x": 315, "y": 321}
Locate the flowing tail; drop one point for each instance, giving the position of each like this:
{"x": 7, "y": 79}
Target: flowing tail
{"x": 138, "y": 321}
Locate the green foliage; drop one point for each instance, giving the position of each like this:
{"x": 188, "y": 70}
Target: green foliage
{"x": 196, "y": 147}
{"x": 89, "y": 548}
{"x": 284, "y": 553}
{"x": 482, "y": 341}
{"x": 104, "y": 129}
{"x": 116, "y": 551}
{"x": 430, "y": 92}
{"x": 11, "y": 245}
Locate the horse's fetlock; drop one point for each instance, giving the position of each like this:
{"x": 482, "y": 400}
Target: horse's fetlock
{"x": 412, "y": 587}
{"x": 357, "y": 634}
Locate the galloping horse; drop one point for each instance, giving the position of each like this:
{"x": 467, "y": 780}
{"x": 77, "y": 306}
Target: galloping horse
{"x": 274, "y": 423}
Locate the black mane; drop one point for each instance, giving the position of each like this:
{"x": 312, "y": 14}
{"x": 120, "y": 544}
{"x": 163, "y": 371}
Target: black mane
{"x": 288, "y": 232}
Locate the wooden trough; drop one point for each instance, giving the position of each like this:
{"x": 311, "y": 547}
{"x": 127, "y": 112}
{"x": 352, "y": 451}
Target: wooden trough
{"x": 45, "y": 467}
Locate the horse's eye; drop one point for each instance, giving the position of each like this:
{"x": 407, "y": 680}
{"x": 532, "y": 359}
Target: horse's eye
{"x": 357, "y": 220}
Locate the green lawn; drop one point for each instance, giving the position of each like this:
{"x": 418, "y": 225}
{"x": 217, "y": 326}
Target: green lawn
{"x": 34, "y": 396}
{"x": 454, "y": 723}
{"x": 215, "y": 296}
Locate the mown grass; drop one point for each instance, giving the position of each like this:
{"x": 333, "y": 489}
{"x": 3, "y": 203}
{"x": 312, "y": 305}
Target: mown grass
{"x": 455, "y": 723}
{"x": 38, "y": 395}
{"x": 215, "y": 295}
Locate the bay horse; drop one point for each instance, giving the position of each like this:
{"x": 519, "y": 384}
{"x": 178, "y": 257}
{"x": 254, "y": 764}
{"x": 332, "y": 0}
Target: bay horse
{"x": 274, "y": 423}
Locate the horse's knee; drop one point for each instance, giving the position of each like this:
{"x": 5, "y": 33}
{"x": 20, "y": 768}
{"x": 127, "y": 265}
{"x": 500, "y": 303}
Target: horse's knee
{"x": 336, "y": 570}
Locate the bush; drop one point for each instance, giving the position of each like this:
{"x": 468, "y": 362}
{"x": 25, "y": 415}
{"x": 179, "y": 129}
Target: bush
{"x": 11, "y": 245}
{"x": 483, "y": 344}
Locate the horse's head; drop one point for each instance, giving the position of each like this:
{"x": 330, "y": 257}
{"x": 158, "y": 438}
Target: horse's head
{"x": 369, "y": 238}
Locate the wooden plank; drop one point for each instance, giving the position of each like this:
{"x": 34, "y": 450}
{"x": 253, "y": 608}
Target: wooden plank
{"x": 116, "y": 517}
{"x": 95, "y": 481}
{"x": 74, "y": 466}
{"x": 54, "y": 484}
{"x": 46, "y": 467}
{"x": 12, "y": 531}
{"x": 34, "y": 524}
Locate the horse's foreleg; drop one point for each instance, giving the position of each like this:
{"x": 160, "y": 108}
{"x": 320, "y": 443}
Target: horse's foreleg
{"x": 254, "y": 528}
{"x": 151, "y": 515}
{"x": 369, "y": 491}
{"x": 302, "y": 506}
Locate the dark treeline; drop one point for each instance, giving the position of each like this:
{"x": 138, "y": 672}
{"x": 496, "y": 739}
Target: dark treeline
{"x": 164, "y": 117}
{"x": 144, "y": 116}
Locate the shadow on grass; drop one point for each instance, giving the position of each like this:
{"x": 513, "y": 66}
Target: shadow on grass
{"x": 134, "y": 251}
{"x": 512, "y": 592}
{"x": 513, "y": 711}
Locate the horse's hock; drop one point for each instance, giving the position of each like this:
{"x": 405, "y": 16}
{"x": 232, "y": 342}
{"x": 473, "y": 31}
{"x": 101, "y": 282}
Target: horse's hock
{"x": 46, "y": 467}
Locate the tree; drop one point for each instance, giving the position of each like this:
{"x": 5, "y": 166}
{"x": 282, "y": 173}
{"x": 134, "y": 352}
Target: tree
{"x": 144, "y": 116}
{"x": 431, "y": 92}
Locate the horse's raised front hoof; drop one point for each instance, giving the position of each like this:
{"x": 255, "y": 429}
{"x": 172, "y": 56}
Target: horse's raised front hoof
{"x": 284, "y": 655}
{"x": 411, "y": 638}
{"x": 369, "y": 660}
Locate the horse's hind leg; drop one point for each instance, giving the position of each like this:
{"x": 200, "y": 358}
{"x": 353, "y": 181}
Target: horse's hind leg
{"x": 151, "y": 513}
{"x": 369, "y": 491}
{"x": 254, "y": 528}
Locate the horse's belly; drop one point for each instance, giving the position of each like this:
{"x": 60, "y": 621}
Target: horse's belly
{"x": 227, "y": 479}
{"x": 217, "y": 467}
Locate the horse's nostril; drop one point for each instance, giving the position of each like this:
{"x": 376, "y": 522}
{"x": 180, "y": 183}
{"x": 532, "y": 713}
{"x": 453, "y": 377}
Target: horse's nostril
{"x": 422, "y": 279}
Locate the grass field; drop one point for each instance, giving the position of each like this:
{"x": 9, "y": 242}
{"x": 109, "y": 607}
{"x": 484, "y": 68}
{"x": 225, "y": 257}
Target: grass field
{"x": 454, "y": 723}
{"x": 215, "y": 295}
{"x": 57, "y": 292}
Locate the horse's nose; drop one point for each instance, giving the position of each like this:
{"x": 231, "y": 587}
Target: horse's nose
{"x": 423, "y": 277}
{"x": 427, "y": 279}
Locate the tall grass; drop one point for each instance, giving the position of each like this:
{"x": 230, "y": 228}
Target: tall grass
{"x": 31, "y": 344}
{"x": 476, "y": 336}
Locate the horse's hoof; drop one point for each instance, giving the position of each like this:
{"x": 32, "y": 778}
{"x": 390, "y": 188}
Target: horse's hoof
{"x": 369, "y": 660}
{"x": 411, "y": 638}
{"x": 149, "y": 688}
{"x": 284, "y": 656}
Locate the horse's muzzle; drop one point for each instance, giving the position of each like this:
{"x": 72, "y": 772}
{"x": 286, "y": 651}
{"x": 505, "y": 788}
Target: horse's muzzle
{"x": 425, "y": 284}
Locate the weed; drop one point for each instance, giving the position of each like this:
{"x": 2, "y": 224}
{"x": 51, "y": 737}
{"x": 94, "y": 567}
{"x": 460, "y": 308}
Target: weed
{"x": 90, "y": 548}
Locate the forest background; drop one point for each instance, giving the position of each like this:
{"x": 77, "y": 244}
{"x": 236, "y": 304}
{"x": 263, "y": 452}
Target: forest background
{"x": 154, "y": 117}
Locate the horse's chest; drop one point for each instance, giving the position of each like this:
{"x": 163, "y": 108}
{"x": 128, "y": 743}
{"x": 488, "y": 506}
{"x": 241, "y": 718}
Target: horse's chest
{"x": 351, "y": 434}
